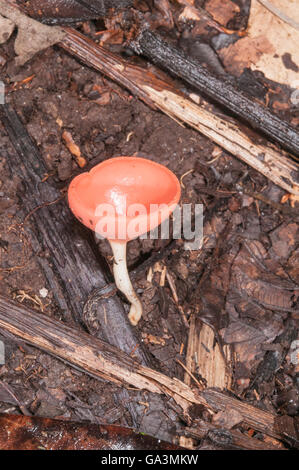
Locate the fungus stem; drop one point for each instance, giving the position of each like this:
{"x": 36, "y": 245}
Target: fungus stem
{"x": 123, "y": 282}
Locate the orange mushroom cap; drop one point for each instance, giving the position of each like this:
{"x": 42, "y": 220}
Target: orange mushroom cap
{"x": 124, "y": 197}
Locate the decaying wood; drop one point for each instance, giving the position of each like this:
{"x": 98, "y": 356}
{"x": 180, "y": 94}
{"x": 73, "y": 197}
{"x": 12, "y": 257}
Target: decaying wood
{"x": 72, "y": 266}
{"x": 188, "y": 441}
{"x": 66, "y": 11}
{"x": 92, "y": 355}
{"x": 268, "y": 160}
{"x": 152, "y": 46}
{"x": 89, "y": 354}
{"x": 204, "y": 357}
{"x": 254, "y": 417}
{"x": 103, "y": 361}
{"x": 51, "y": 227}
{"x": 227, "y": 439}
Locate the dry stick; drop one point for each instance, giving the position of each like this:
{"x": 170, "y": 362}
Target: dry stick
{"x": 270, "y": 161}
{"x": 221, "y": 91}
{"x": 89, "y": 354}
{"x": 152, "y": 46}
{"x": 103, "y": 361}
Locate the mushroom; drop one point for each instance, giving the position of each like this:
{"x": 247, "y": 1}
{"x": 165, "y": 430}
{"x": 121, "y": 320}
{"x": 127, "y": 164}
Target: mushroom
{"x": 120, "y": 199}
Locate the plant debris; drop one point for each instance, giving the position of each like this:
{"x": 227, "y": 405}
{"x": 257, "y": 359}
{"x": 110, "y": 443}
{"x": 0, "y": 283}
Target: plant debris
{"x": 32, "y": 36}
{"x": 223, "y": 315}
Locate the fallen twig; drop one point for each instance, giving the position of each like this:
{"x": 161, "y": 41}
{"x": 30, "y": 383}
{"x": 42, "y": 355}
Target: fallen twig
{"x": 152, "y": 46}
{"x": 89, "y": 354}
{"x": 268, "y": 160}
{"x": 103, "y": 361}
{"x": 228, "y": 439}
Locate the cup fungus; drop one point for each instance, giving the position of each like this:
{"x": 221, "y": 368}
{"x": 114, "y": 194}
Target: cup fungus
{"x": 121, "y": 199}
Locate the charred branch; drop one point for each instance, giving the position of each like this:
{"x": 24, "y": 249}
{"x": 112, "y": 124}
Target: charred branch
{"x": 223, "y": 92}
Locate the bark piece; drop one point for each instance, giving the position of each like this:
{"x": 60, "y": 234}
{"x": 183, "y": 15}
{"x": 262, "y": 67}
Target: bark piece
{"x": 102, "y": 361}
{"x": 70, "y": 11}
{"x": 89, "y": 354}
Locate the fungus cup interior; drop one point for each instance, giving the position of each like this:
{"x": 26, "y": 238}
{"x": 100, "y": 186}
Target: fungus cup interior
{"x": 122, "y": 191}
{"x": 121, "y": 199}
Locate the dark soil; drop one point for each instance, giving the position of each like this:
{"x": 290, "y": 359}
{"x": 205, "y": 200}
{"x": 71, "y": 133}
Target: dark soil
{"x": 243, "y": 281}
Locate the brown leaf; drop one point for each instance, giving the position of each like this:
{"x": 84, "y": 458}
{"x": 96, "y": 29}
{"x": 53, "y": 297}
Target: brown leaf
{"x": 284, "y": 239}
{"x": 32, "y": 36}
{"x": 222, "y": 11}
{"x": 245, "y": 53}
{"x": 271, "y": 45}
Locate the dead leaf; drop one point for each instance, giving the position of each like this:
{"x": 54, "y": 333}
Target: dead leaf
{"x": 284, "y": 240}
{"x": 222, "y": 11}
{"x": 215, "y": 15}
{"x": 32, "y": 36}
{"x": 271, "y": 45}
{"x": 245, "y": 53}
{"x": 6, "y": 29}
{"x": 227, "y": 418}
{"x": 104, "y": 99}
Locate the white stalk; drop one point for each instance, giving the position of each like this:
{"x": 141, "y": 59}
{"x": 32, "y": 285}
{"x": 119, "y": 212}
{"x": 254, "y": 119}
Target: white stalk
{"x": 123, "y": 282}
